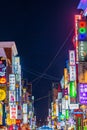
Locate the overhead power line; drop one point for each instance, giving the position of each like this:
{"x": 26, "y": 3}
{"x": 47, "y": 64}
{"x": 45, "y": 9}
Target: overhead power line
{"x": 49, "y": 77}
{"x": 50, "y": 64}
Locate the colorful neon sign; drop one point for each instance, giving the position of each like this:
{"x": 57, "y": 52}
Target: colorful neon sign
{"x": 83, "y": 93}
{"x": 82, "y": 30}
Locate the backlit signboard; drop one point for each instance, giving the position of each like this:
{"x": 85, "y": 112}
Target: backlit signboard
{"x": 12, "y": 96}
{"x": 2, "y": 94}
{"x": 13, "y": 111}
{"x": 25, "y": 118}
{"x": 71, "y": 57}
{"x": 83, "y": 93}
{"x": 2, "y": 70}
{"x": 12, "y": 82}
{"x": 1, "y": 114}
{"x": 72, "y": 88}
{"x": 82, "y": 72}
{"x": 25, "y": 108}
{"x": 72, "y": 73}
{"x": 82, "y": 51}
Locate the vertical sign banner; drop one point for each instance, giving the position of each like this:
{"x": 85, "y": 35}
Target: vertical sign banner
{"x": 82, "y": 72}
{"x": 72, "y": 73}
{"x": 1, "y": 114}
{"x": 2, "y": 70}
{"x": 13, "y": 111}
{"x": 17, "y": 63}
{"x": 25, "y": 118}
{"x": 83, "y": 93}
{"x": 12, "y": 96}
{"x": 73, "y": 92}
{"x": 12, "y": 82}
{"x": 77, "y": 17}
{"x": 25, "y": 108}
{"x": 83, "y": 51}
{"x": 66, "y": 81}
{"x": 71, "y": 57}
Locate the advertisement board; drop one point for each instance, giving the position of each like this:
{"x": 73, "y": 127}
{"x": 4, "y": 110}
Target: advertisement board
{"x": 2, "y": 94}
{"x": 72, "y": 89}
{"x": 12, "y": 82}
{"x": 72, "y": 73}
{"x": 13, "y": 111}
{"x": 74, "y": 106}
{"x": 83, "y": 93}
{"x": 2, "y": 70}
{"x": 1, "y": 114}
{"x": 82, "y": 51}
{"x": 25, "y": 118}
{"x": 82, "y": 72}
{"x": 25, "y": 107}
{"x": 17, "y": 63}
{"x": 12, "y": 96}
{"x": 71, "y": 57}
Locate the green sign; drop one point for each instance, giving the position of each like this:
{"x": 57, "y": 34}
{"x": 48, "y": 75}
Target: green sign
{"x": 72, "y": 89}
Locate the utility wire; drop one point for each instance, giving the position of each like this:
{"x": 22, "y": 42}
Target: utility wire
{"x": 45, "y": 75}
{"x": 42, "y": 98}
{"x": 50, "y": 64}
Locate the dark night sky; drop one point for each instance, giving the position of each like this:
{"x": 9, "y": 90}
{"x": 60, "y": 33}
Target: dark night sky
{"x": 39, "y": 28}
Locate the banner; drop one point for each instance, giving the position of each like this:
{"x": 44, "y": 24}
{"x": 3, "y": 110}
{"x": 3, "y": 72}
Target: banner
{"x": 82, "y": 72}
{"x": 13, "y": 111}
{"x": 1, "y": 114}
{"x": 83, "y": 93}
{"x": 71, "y": 57}
{"x": 12, "y": 82}
{"x": 72, "y": 73}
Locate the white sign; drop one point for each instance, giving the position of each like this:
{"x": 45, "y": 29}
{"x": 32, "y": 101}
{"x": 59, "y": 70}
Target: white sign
{"x": 17, "y": 65}
{"x": 63, "y": 103}
{"x": 25, "y": 108}
{"x": 74, "y": 106}
{"x": 19, "y": 112}
{"x": 12, "y": 96}
{"x": 72, "y": 73}
{"x": 25, "y": 118}
{"x": 71, "y": 57}
{"x": 13, "y": 111}
{"x": 12, "y": 82}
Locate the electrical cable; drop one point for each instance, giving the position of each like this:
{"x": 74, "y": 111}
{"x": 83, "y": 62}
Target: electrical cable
{"x": 49, "y": 77}
{"x": 59, "y": 50}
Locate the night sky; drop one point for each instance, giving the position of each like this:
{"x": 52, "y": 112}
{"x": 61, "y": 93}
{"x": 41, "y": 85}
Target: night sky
{"x": 42, "y": 30}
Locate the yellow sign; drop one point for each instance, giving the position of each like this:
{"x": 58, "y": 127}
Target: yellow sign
{"x": 1, "y": 114}
{"x": 8, "y": 120}
{"x": 2, "y": 94}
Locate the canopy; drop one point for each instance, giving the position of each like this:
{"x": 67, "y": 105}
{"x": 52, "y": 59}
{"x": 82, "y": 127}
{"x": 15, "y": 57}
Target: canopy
{"x": 45, "y": 127}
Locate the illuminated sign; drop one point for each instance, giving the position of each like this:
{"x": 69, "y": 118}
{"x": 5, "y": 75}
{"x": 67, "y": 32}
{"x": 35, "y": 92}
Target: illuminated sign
{"x": 66, "y": 79}
{"x": 2, "y": 94}
{"x": 73, "y": 106}
{"x": 13, "y": 111}
{"x": 77, "y": 17}
{"x": 83, "y": 51}
{"x": 25, "y": 118}
{"x": 72, "y": 89}
{"x": 12, "y": 96}
{"x": 83, "y": 93}
{"x": 82, "y": 72}
{"x": 82, "y": 30}
{"x": 71, "y": 57}
{"x": 25, "y": 108}
{"x": 1, "y": 114}
{"x": 2, "y": 70}
{"x": 72, "y": 73}
{"x": 12, "y": 82}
